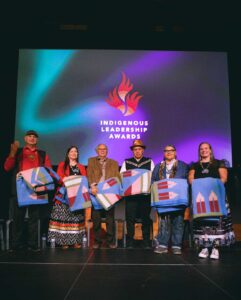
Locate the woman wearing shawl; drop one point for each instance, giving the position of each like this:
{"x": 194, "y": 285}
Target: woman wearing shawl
{"x": 171, "y": 224}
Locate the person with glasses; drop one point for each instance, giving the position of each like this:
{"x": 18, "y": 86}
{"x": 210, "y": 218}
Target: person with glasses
{"x": 171, "y": 224}
{"x": 99, "y": 169}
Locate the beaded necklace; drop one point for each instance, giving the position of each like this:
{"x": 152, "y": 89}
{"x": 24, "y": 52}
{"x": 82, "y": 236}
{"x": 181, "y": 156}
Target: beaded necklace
{"x": 206, "y": 169}
{"x": 74, "y": 169}
{"x": 171, "y": 172}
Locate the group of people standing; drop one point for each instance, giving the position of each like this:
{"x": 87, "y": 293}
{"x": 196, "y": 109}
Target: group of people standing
{"x": 66, "y": 226}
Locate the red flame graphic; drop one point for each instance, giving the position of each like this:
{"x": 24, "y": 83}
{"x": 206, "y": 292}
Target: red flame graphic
{"x": 122, "y": 98}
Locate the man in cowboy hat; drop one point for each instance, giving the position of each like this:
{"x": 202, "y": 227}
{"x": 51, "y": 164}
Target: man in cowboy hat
{"x": 138, "y": 205}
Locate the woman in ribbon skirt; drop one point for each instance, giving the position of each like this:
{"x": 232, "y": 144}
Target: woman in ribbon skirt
{"x": 66, "y": 227}
{"x": 208, "y": 166}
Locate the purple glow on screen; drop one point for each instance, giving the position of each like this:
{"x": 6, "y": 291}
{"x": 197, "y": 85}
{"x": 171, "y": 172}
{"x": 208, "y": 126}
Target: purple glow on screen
{"x": 184, "y": 101}
{"x": 152, "y": 61}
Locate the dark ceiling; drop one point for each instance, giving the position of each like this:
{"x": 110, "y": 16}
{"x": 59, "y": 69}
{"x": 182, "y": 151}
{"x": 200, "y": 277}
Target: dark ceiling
{"x": 123, "y": 16}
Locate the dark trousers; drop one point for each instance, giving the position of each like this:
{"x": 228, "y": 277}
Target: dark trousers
{"x": 18, "y": 226}
{"x": 44, "y": 216}
{"x": 138, "y": 207}
{"x": 97, "y": 215}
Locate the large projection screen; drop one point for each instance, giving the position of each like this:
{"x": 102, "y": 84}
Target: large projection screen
{"x": 86, "y": 97}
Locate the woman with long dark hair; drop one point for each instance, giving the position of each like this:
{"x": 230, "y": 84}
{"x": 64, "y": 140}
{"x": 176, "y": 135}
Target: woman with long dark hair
{"x": 66, "y": 226}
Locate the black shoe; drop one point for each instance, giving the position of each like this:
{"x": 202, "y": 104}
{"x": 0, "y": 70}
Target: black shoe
{"x": 34, "y": 249}
{"x": 145, "y": 245}
{"x": 130, "y": 245}
{"x": 17, "y": 249}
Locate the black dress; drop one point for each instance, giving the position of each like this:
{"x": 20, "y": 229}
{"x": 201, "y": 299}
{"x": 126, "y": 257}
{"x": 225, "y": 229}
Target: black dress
{"x": 218, "y": 231}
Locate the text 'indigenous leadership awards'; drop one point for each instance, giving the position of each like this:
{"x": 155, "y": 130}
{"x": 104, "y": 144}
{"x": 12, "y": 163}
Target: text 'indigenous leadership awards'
{"x": 123, "y": 98}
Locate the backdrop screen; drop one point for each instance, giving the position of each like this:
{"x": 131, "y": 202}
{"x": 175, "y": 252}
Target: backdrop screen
{"x": 87, "y": 97}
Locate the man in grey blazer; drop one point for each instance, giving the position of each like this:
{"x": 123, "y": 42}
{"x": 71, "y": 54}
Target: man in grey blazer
{"x": 101, "y": 168}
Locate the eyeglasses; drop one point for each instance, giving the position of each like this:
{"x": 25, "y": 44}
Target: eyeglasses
{"x": 172, "y": 150}
{"x": 102, "y": 149}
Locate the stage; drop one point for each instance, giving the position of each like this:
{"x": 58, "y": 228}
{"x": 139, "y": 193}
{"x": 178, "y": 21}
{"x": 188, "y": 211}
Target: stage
{"x": 119, "y": 274}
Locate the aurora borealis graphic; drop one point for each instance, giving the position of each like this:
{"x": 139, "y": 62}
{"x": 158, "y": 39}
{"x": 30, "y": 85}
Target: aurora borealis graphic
{"x": 184, "y": 101}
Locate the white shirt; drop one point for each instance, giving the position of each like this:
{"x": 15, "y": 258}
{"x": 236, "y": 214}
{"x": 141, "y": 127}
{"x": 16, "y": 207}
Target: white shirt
{"x": 169, "y": 167}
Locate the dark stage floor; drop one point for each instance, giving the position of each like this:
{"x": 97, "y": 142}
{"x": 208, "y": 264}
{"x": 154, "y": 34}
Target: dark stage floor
{"x": 119, "y": 274}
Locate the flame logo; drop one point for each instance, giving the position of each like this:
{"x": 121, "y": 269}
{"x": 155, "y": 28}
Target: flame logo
{"x": 121, "y": 97}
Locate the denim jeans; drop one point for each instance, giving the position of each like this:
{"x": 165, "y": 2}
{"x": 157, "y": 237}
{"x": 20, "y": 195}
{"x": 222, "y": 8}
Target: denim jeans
{"x": 171, "y": 226}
